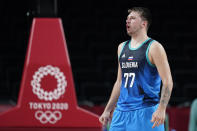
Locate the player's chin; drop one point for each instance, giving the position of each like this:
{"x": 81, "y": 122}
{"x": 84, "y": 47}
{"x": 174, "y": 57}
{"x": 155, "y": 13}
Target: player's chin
{"x": 129, "y": 33}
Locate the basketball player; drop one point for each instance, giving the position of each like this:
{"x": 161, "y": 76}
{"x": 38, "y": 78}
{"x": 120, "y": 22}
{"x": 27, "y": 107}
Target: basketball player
{"x": 142, "y": 65}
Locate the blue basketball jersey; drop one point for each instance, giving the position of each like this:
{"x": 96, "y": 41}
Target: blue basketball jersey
{"x": 141, "y": 82}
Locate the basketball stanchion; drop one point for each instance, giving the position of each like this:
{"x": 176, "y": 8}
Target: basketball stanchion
{"x": 47, "y": 96}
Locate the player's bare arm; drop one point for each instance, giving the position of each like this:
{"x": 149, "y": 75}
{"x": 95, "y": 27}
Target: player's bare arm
{"x": 158, "y": 57}
{"x": 106, "y": 116}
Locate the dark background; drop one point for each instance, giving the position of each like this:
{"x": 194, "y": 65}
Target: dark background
{"x": 93, "y": 31}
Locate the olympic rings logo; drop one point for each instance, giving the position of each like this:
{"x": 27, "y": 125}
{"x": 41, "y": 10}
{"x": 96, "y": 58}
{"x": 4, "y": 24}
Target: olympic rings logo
{"x": 48, "y": 116}
{"x": 61, "y": 83}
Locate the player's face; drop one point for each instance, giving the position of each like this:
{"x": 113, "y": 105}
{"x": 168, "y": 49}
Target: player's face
{"x": 133, "y": 23}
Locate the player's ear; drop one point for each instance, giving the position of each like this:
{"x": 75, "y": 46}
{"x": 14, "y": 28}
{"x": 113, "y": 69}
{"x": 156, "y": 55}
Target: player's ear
{"x": 144, "y": 23}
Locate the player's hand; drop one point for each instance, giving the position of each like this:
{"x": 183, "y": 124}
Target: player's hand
{"x": 105, "y": 118}
{"x": 158, "y": 117}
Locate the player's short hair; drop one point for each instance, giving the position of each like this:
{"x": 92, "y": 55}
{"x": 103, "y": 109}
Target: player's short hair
{"x": 145, "y": 14}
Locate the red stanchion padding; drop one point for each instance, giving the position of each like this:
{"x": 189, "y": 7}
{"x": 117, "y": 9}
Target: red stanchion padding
{"x": 47, "y": 96}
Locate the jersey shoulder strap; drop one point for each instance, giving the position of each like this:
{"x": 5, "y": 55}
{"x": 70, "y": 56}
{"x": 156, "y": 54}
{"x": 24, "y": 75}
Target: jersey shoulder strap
{"x": 123, "y": 47}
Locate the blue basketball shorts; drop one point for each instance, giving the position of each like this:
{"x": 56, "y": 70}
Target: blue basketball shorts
{"x": 137, "y": 120}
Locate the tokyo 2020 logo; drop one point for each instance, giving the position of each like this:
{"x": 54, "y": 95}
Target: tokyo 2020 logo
{"x": 51, "y": 95}
{"x": 51, "y": 110}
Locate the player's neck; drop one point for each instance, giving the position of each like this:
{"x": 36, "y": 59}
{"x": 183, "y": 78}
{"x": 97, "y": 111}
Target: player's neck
{"x": 138, "y": 38}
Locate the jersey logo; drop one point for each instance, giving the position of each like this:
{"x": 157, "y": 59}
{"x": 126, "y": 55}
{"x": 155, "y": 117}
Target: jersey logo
{"x": 123, "y": 56}
{"x": 130, "y": 58}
